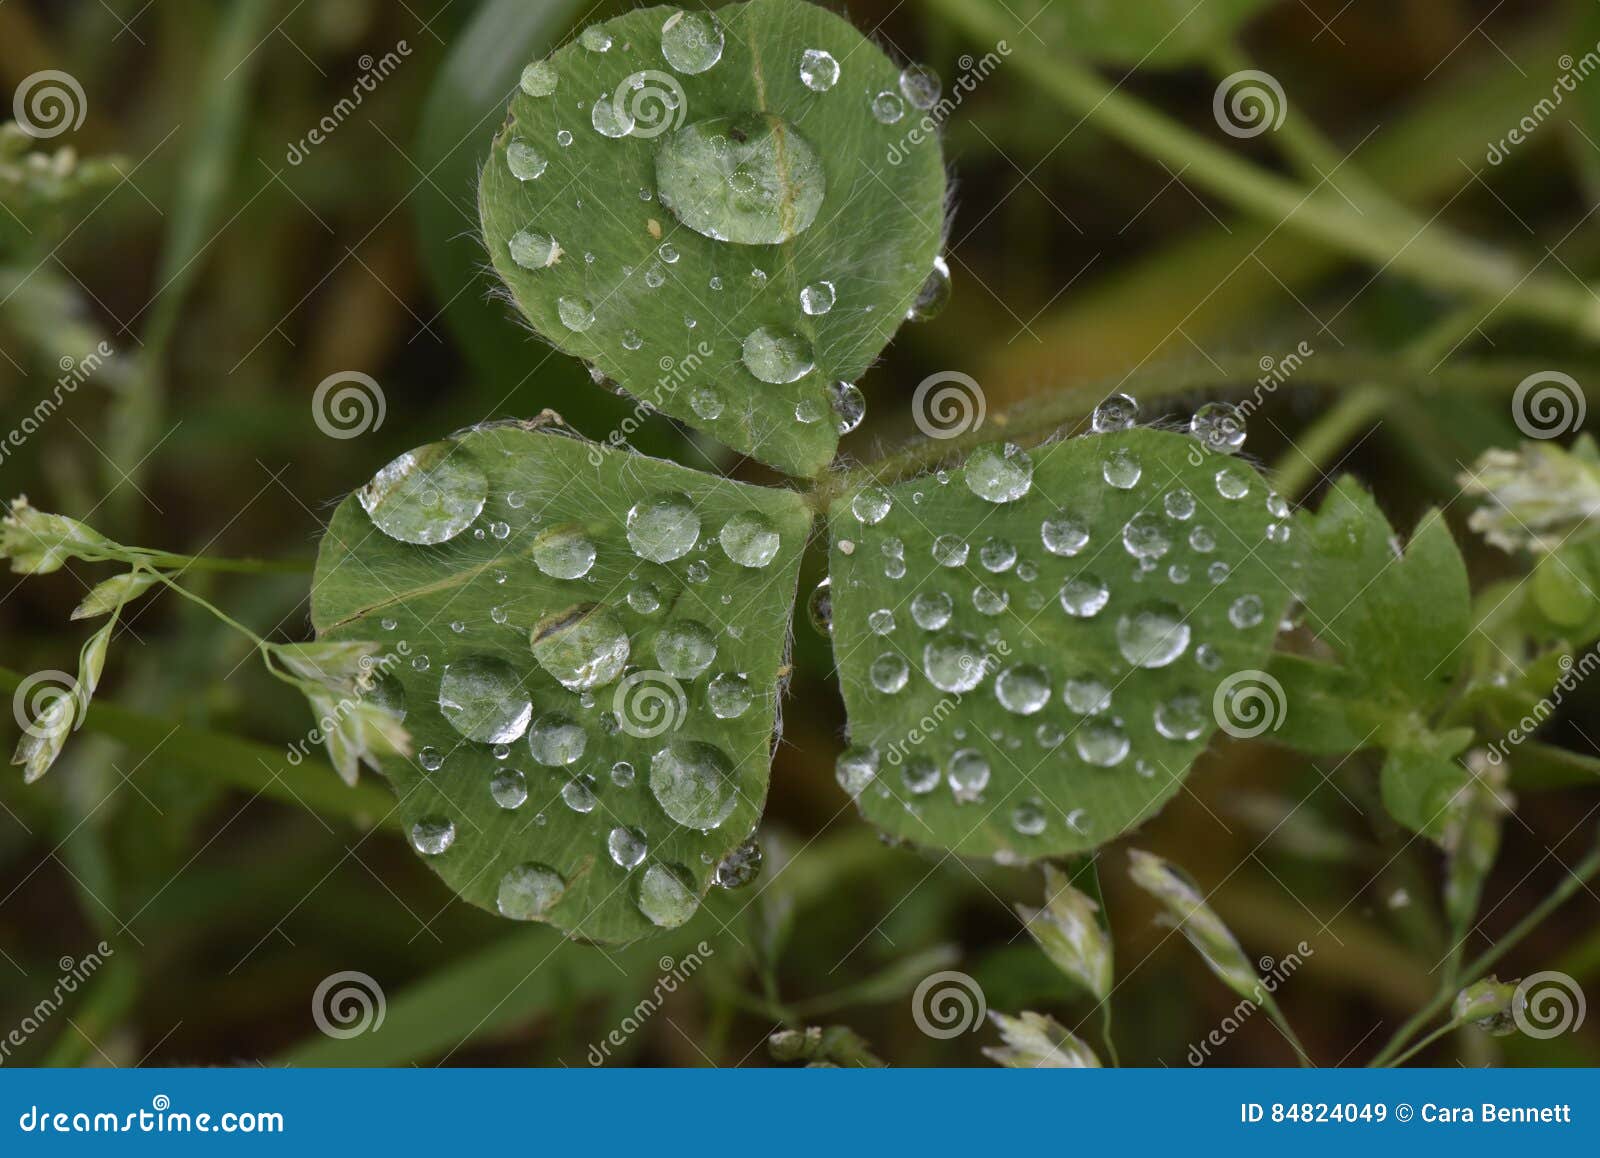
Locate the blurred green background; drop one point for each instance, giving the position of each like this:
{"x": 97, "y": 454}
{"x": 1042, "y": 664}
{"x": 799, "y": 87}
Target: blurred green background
{"x": 230, "y": 280}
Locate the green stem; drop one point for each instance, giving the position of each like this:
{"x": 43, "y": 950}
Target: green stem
{"x": 169, "y": 561}
{"x": 1105, "y": 1033}
{"x": 1446, "y": 1028}
{"x": 1575, "y": 879}
{"x": 1301, "y": 465}
{"x": 1428, "y": 254}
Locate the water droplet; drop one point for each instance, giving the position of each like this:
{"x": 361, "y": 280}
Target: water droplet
{"x": 529, "y": 891}
{"x": 739, "y": 867}
{"x": 509, "y": 788}
{"x": 556, "y": 740}
{"x": 817, "y": 298}
{"x": 819, "y": 607}
{"x": 920, "y": 775}
{"x": 431, "y": 759}
{"x": 1232, "y": 484}
{"x": 871, "y": 505}
{"x": 564, "y": 553}
{"x": 583, "y": 647}
{"x": 595, "y": 38}
{"x": 576, "y": 313}
{"x": 1152, "y": 636}
{"x": 997, "y": 555}
{"x": 728, "y": 696}
{"x": 1084, "y": 595}
{"x": 931, "y": 610}
{"x": 751, "y": 180}
{"x": 686, "y": 649}
{"x": 749, "y": 539}
{"x": 1245, "y": 611}
{"x": 1101, "y": 743}
{"x": 1202, "y": 540}
{"x": 921, "y": 86}
{"x": 706, "y": 403}
{"x": 949, "y": 551}
{"x": 694, "y": 783}
{"x": 889, "y": 673}
{"x": 819, "y": 71}
{"x": 987, "y": 601}
{"x": 664, "y": 897}
{"x": 849, "y": 406}
{"x": 645, "y": 598}
{"x": 1121, "y": 469}
{"x": 426, "y": 496}
{"x": 663, "y": 528}
{"x": 1220, "y": 426}
{"x": 999, "y": 474}
{"x": 856, "y": 768}
{"x": 1180, "y": 718}
{"x": 539, "y": 79}
{"x": 1064, "y": 536}
{"x": 968, "y": 774}
{"x": 1086, "y": 695}
{"x": 433, "y": 835}
{"x": 881, "y": 621}
{"x": 887, "y": 108}
{"x": 954, "y": 662}
{"x": 482, "y": 698}
{"x": 622, "y": 774}
{"x": 627, "y": 847}
{"x": 1145, "y": 536}
{"x": 1023, "y": 688}
{"x": 776, "y": 356}
{"x": 1118, "y": 412}
{"x": 1028, "y": 818}
{"x": 632, "y": 339}
{"x": 1208, "y": 657}
{"x": 1277, "y": 507}
{"x": 1218, "y": 571}
{"x": 526, "y": 164}
{"x": 563, "y": 138}
{"x": 1278, "y": 533}
{"x": 691, "y": 41}
{"x": 933, "y": 295}
{"x": 578, "y": 796}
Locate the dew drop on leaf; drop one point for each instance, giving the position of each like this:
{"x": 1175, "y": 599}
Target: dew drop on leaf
{"x": 933, "y": 295}
{"x": 433, "y": 835}
{"x": 1118, "y": 412}
{"x": 931, "y": 610}
{"x": 1121, "y": 469}
{"x": 819, "y": 71}
{"x": 691, "y": 41}
{"x": 728, "y": 696}
{"x": 577, "y": 314}
{"x": 749, "y": 539}
{"x": 751, "y": 180}
{"x": 1101, "y": 743}
{"x": 685, "y": 649}
{"x": 1083, "y": 596}
{"x": 954, "y": 662}
{"x": 627, "y": 847}
{"x": 920, "y": 775}
{"x": 968, "y": 774}
{"x": 889, "y": 673}
{"x": 528, "y": 891}
{"x": 999, "y": 474}
{"x": 564, "y": 553}
{"x": 525, "y": 162}
{"x": 776, "y": 356}
{"x": 509, "y": 788}
{"x": 482, "y": 698}
{"x": 664, "y": 898}
{"x": 663, "y": 528}
{"x": 539, "y": 79}
{"x": 556, "y": 740}
{"x": 583, "y": 647}
{"x": 426, "y": 496}
{"x": 739, "y": 867}
{"x": 1023, "y": 688}
{"x": 1152, "y": 636}
{"x": 817, "y": 298}
{"x": 693, "y": 782}
{"x": 887, "y": 108}
{"x": 595, "y": 38}
{"x": 920, "y": 85}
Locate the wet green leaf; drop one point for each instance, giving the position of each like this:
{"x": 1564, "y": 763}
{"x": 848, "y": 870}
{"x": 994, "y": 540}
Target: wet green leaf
{"x": 1018, "y": 682}
{"x": 548, "y": 611}
{"x": 668, "y": 191}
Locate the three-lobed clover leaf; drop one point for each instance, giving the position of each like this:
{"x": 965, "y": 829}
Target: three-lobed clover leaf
{"x": 585, "y": 645}
{"x": 1036, "y": 646}
{"x": 726, "y": 214}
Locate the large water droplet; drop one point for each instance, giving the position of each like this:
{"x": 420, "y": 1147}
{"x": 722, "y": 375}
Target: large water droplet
{"x": 921, "y": 85}
{"x": 556, "y": 740}
{"x": 691, "y": 41}
{"x": 509, "y": 788}
{"x": 999, "y": 474}
{"x": 483, "y": 699}
{"x": 664, "y": 897}
{"x": 663, "y": 528}
{"x": 1152, "y": 636}
{"x": 1145, "y": 536}
{"x": 739, "y": 867}
{"x": 428, "y": 495}
{"x": 583, "y": 647}
{"x": 610, "y": 118}
{"x": 1084, "y": 595}
{"x": 954, "y": 662}
{"x": 564, "y": 553}
{"x": 752, "y": 180}
{"x": 817, "y": 298}
{"x": 1180, "y": 718}
{"x": 533, "y": 251}
{"x": 819, "y": 71}
{"x": 1101, "y": 743}
{"x": 1118, "y": 412}
{"x": 776, "y": 356}
{"x": 968, "y": 774}
{"x": 693, "y": 783}
{"x": 729, "y": 696}
{"x": 577, "y": 314}
{"x": 526, "y": 164}
{"x": 432, "y": 835}
{"x": 749, "y": 539}
{"x": 931, "y": 610}
{"x": 889, "y": 673}
{"x": 1064, "y": 536}
{"x": 856, "y": 768}
{"x": 595, "y": 38}
{"x": 1121, "y": 469}
{"x": 529, "y": 891}
{"x": 1220, "y": 425}
{"x": 1023, "y": 688}
{"x": 686, "y": 649}
{"x": 627, "y": 847}
{"x": 1086, "y": 695}
{"x": 870, "y": 505}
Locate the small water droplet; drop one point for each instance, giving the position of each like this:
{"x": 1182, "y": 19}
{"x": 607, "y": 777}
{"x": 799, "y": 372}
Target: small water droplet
{"x": 664, "y": 896}
{"x": 819, "y": 71}
{"x": 954, "y": 662}
{"x": 432, "y": 836}
{"x": 627, "y": 847}
{"x": 776, "y": 356}
{"x": 1220, "y": 426}
{"x": 750, "y": 539}
{"x": 999, "y": 474}
{"x": 931, "y": 610}
{"x": 933, "y": 295}
{"x": 685, "y": 649}
{"x": 691, "y": 41}
{"x": 1152, "y": 636}
{"x": 556, "y": 740}
{"x": 595, "y": 38}
{"x": 1063, "y": 535}
{"x": 539, "y": 79}
{"x": 1118, "y": 412}
{"x": 1121, "y": 469}
{"x": 1101, "y": 743}
{"x": 889, "y": 673}
{"x": 509, "y": 788}
{"x": 577, "y": 314}
{"x": 663, "y": 528}
{"x": 1083, "y": 596}
{"x": 921, "y": 85}
{"x": 968, "y": 774}
{"x": 871, "y": 505}
{"x": 817, "y": 298}
{"x": 1245, "y": 611}
{"x": 729, "y": 696}
{"x": 1023, "y": 688}
{"x": 525, "y": 162}
{"x": 887, "y": 108}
